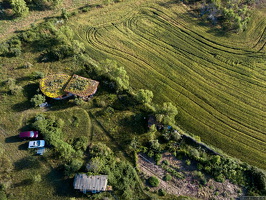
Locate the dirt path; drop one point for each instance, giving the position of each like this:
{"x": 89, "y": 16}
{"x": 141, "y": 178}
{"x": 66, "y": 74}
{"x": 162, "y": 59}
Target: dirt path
{"x": 10, "y": 26}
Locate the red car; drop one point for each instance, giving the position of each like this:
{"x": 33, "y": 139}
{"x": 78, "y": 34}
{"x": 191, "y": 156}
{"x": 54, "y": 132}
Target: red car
{"x": 29, "y": 134}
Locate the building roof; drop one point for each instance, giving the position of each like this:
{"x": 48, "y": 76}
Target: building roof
{"x": 53, "y": 85}
{"x": 90, "y": 183}
{"x": 59, "y": 85}
{"x": 81, "y": 86}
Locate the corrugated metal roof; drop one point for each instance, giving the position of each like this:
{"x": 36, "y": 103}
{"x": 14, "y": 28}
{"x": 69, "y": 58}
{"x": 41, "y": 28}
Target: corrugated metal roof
{"x": 90, "y": 183}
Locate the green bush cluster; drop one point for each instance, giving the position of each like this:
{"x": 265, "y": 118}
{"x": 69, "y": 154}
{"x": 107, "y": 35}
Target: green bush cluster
{"x": 49, "y": 127}
{"x": 37, "y": 99}
{"x": 14, "y": 89}
{"x": 55, "y": 40}
{"x": 121, "y": 174}
{"x": 153, "y": 181}
{"x": 11, "y": 47}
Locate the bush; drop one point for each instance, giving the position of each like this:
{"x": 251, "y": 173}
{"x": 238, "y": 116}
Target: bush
{"x": 161, "y": 192}
{"x": 37, "y": 178}
{"x": 165, "y": 162}
{"x": 167, "y": 177}
{"x": 37, "y": 75}
{"x": 73, "y": 166}
{"x": 81, "y": 143}
{"x": 78, "y": 101}
{"x": 37, "y": 99}
{"x": 153, "y": 181}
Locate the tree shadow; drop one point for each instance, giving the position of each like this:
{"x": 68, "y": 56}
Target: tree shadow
{"x": 13, "y": 139}
{"x": 24, "y": 182}
{"x": 30, "y": 90}
{"x": 63, "y": 185}
{"x": 134, "y": 123}
{"x": 22, "y": 106}
{"x": 29, "y": 162}
{"x": 23, "y": 146}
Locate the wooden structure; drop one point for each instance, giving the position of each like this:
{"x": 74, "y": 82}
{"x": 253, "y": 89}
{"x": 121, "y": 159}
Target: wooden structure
{"x": 92, "y": 184}
{"x": 61, "y": 86}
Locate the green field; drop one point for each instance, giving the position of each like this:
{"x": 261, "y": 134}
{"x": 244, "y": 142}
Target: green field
{"x": 217, "y": 80}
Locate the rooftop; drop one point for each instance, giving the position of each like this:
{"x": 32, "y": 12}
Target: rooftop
{"x": 61, "y": 85}
{"x": 81, "y": 86}
{"x": 90, "y": 183}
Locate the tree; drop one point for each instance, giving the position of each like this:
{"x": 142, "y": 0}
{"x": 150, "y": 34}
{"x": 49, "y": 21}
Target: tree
{"x": 153, "y": 181}
{"x": 37, "y": 99}
{"x": 166, "y": 113}
{"x": 144, "y": 96}
{"x": 19, "y": 7}
{"x": 112, "y": 71}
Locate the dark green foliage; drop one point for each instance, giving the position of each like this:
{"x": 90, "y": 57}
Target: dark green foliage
{"x": 231, "y": 15}
{"x": 95, "y": 165}
{"x": 121, "y": 175}
{"x": 116, "y": 74}
{"x": 37, "y": 99}
{"x": 12, "y": 47}
{"x": 144, "y": 96}
{"x": 19, "y": 7}
{"x": 78, "y": 101}
{"x": 73, "y": 166}
{"x": 162, "y": 192}
{"x": 52, "y": 134}
{"x": 81, "y": 143}
{"x": 3, "y": 195}
{"x": 166, "y": 113}
{"x": 13, "y": 88}
{"x": 55, "y": 41}
{"x": 157, "y": 157}
{"x": 37, "y": 75}
{"x": 167, "y": 177}
{"x": 257, "y": 178}
{"x": 153, "y": 181}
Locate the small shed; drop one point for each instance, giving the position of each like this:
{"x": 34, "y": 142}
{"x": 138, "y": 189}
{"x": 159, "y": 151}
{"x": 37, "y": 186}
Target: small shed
{"x": 92, "y": 184}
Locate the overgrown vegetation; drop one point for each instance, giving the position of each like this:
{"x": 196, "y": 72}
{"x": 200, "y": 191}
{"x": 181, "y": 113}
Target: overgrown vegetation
{"x": 180, "y": 68}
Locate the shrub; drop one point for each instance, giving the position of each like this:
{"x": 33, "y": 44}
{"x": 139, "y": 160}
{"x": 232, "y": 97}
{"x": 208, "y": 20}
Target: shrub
{"x": 153, "y": 181}
{"x": 73, "y": 166}
{"x": 81, "y": 143}
{"x": 188, "y": 162}
{"x": 37, "y": 178}
{"x": 144, "y": 96}
{"x": 167, "y": 177}
{"x": 158, "y": 157}
{"x": 165, "y": 162}
{"x": 3, "y": 195}
{"x": 37, "y": 99}
{"x": 37, "y": 75}
{"x": 78, "y": 101}
{"x": 15, "y": 89}
{"x": 161, "y": 192}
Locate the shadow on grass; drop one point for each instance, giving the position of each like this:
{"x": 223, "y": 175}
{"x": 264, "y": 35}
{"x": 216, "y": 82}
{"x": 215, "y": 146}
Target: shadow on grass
{"x": 22, "y": 106}
{"x": 135, "y": 123}
{"x": 24, "y": 182}
{"x": 63, "y": 186}
{"x": 30, "y": 90}
{"x": 13, "y": 139}
{"x": 29, "y": 162}
{"x": 23, "y": 146}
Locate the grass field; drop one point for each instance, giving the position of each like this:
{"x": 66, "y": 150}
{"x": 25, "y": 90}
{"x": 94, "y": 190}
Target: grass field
{"x": 217, "y": 81}
{"x": 52, "y": 185}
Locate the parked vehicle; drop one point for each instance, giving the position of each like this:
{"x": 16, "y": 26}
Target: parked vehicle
{"x": 36, "y": 144}
{"x": 29, "y": 134}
